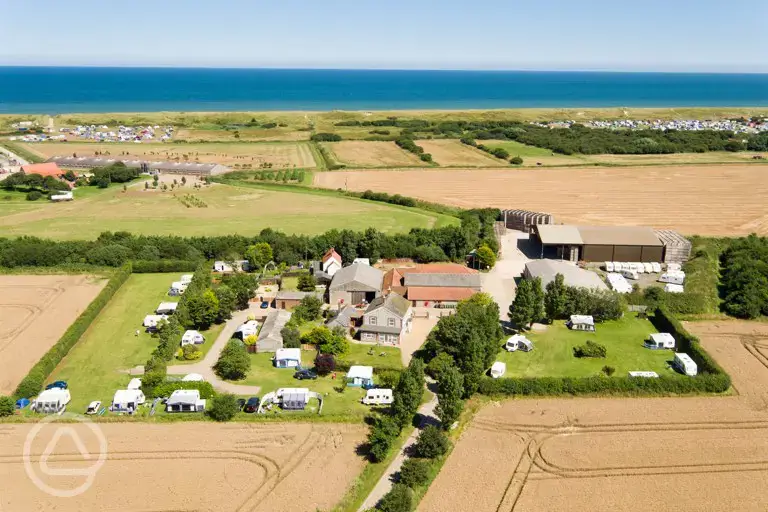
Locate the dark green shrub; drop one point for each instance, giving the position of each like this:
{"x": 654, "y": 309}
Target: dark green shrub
{"x": 34, "y": 195}
{"x": 516, "y": 160}
{"x": 326, "y": 137}
{"x": 431, "y": 443}
{"x": 223, "y": 407}
{"x": 590, "y": 349}
{"x": 382, "y": 436}
{"x": 7, "y": 406}
{"x": 608, "y": 370}
{"x": 398, "y": 499}
{"x": 414, "y": 472}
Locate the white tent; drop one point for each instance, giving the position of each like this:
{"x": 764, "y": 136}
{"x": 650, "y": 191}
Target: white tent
{"x": 193, "y": 377}
{"x": 192, "y": 338}
{"x": 660, "y": 340}
{"x": 51, "y": 401}
{"x": 134, "y": 384}
{"x": 287, "y": 358}
{"x": 498, "y": 369}
{"x": 185, "y": 400}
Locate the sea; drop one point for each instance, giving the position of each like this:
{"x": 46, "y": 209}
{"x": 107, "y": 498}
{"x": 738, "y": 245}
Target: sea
{"x": 56, "y": 90}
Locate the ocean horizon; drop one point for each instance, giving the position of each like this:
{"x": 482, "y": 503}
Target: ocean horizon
{"x": 59, "y": 90}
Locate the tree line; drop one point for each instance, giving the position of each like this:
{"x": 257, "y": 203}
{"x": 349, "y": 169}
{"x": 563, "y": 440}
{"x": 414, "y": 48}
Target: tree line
{"x": 744, "y": 277}
{"x": 113, "y": 249}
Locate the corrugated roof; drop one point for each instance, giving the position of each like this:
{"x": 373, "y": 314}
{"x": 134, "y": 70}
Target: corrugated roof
{"x": 443, "y": 280}
{"x": 365, "y": 275}
{"x": 619, "y": 235}
{"x": 556, "y": 234}
{"x": 573, "y": 275}
{"x": 433, "y": 293}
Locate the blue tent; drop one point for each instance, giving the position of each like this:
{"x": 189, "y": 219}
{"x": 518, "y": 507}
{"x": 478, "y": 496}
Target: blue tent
{"x": 22, "y": 403}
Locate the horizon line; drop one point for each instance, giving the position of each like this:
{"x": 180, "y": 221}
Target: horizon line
{"x": 448, "y": 70}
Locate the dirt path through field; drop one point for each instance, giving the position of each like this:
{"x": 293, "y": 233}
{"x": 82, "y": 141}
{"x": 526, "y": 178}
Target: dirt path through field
{"x": 706, "y": 200}
{"x": 702, "y": 453}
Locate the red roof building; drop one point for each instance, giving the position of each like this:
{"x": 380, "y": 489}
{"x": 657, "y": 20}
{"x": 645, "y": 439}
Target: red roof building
{"x": 45, "y": 169}
{"x": 433, "y": 283}
{"x": 331, "y": 254}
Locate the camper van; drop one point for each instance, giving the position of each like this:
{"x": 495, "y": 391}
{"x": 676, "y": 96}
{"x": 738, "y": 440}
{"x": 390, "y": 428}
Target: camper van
{"x": 630, "y": 274}
{"x": 377, "y": 397}
{"x": 685, "y": 364}
{"x": 498, "y": 369}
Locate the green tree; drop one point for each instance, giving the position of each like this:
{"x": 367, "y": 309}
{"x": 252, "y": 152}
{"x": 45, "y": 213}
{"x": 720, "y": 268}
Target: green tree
{"x": 450, "y": 389}
{"x": 408, "y": 393}
{"x": 414, "y": 472}
{"x": 438, "y": 364}
{"x": 383, "y": 434}
{"x": 486, "y": 256}
{"x": 223, "y": 407}
{"x": 203, "y": 309}
{"x": 555, "y": 298}
{"x": 259, "y": 255}
{"x": 326, "y": 341}
{"x": 233, "y": 363}
{"x": 516, "y": 160}
{"x": 431, "y": 443}
{"x": 307, "y": 283}
{"x": 309, "y": 309}
{"x": 227, "y": 302}
{"x": 528, "y": 305}
{"x": 191, "y": 352}
{"x": 7, "y": 406}
{"x": 291, "y": 336}
{"x": 398, "y": 499}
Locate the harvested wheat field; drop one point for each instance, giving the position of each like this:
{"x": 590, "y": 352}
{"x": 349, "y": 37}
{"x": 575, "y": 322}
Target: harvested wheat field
{"x": 691, "y": 454}
{"x": 706, "y": 200}
{"x": 449, "y": 152}
{"x": 280, "y": 155}
{"x": 359, "y": 153}
{"x": 186, "y": 466}
{"x": 34, "y": 312}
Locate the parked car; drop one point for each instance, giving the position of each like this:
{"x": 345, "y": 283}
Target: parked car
{"x": 305, "y": 374}
{"x": 58, "y": 384}
{"x": 252, "y": 405}
{"x": 240, "y": 404}
{"x": 264, "y": 305}
{"x": 93, "y": 407}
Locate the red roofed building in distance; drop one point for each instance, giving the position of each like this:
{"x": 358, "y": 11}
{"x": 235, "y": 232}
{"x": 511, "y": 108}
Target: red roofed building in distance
{"x": 433, "y": 284}
{"x": 45, "y": 169}
{"x": 331, "y": 262}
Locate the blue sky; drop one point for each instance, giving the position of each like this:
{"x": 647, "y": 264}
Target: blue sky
{"x": 656, "y": 35}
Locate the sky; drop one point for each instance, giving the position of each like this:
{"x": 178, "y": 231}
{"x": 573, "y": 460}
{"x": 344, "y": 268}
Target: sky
{"x": 621, "y": 35}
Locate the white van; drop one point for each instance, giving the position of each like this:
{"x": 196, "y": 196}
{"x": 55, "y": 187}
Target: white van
{"x": 377, "y": 397}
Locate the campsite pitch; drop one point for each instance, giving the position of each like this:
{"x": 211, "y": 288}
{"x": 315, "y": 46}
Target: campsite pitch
{"x": 713, "y": 200}
{"x": 703, "y": 453}
{"x": 187, "y": 466}
{"x": 35, "y": 311}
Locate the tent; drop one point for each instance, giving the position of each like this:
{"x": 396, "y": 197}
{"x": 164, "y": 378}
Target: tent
{"x": 660, "y": 340}
{"x": 22, "y": 403}
{"x": 185, "y": 400}
{"x": 134, "y": 384}
{"x": 192, "y": 338}
{"x": 360, "y": 376}
{"x": 127, "y": 400}
{"x": 287, "y": 358}
{"x": 295, "y": 400}
{"x": 52, "y": 401}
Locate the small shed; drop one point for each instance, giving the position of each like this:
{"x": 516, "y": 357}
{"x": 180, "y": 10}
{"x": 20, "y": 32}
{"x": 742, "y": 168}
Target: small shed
{"x": 498, "y": 369}
{"x": 685, "y": 364}
{"x": 192, "y": 338}
{"x": 360, "y": 376}
{"x": 166, "y": 308}
{"x": 660, "y": 340}
{"x": 135, "y": 383}
{"x": 287, "y": 358}
{"x": 581, "y": 323}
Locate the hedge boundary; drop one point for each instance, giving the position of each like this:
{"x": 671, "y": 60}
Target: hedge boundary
{"x": 711, "y": 378}
{"x": 163, "y": 266}
{"x": 33, "y": 382}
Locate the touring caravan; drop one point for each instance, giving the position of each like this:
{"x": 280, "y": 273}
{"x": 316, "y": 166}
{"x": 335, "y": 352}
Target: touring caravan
{"x": 685, "y": 364}
{"x": 52, "y": 401}
{"x": 674, "y": 288}
{"x": 609, "y": 266}
{"x": 581, "y": 323}
{"x": 630, "y": 274}
{"x": 672, "y": 277}
{"x": 377, "y": 397}
{"x": 660, "y": 340}
{"x": 518, "y": 341}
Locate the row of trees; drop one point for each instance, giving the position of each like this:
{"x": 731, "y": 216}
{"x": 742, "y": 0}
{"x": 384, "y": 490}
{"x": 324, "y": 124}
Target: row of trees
{"x": 33, "y": 184}
{"x": 532, "y": 304}
{"x": 405, "y": 141}
{"x": 500, "y": 153}
{"x": 114, "y": 249}
{"x": 744, "y": 278}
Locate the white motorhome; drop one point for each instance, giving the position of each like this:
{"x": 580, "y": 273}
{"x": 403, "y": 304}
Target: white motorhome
{"x": 685, "y": 364}
{"x": 377, "y": 397}
{"x": 498, "y": 369}
{"x": 518, "y": 341}
{"x": 166, "y": 308}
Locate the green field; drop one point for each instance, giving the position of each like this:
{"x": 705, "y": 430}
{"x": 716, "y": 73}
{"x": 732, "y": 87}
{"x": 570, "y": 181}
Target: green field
{"x": 552, "y": 355}
{"x": 244, "y": 210}
{"x": 290, "y": 283}
{"x": 97, "y": 366}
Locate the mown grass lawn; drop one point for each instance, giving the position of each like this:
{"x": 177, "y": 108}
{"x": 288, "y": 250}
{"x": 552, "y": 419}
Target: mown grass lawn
{"x": 290, "y": 283}
{"x": 97, "y": 365}
{"x": 552, "y": 355}
{"x": 371, "y": 355}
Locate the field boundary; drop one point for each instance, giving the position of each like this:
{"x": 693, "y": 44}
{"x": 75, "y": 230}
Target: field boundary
{"x": 33, "y": 382}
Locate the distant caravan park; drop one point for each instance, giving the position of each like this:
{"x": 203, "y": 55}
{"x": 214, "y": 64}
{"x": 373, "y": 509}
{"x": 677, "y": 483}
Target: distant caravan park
{"x": 417, "y": 310}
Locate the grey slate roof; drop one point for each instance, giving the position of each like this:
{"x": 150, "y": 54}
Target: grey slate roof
{"x": 380, "y": 328}
{"x": 270, "y": 338}
{"x": 393, "y": 302}
{"x": 573, "y": 275}
{"x": 343, "y": 318}
{"x": 443, "y": 280}
{"x": 357, "y": 277}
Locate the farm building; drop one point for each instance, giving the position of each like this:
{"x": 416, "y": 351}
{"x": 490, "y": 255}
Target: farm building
{"x": 433, "y": 284}
{"x": 190, "y": 168}
{"x": 288, "y": 299}
{"x": 387, "y": 319}
{"x": 355, "y": 284}
{"x": 546, "y": 270}
{"x": 677, "y": 248}
{"x": 599, "y": 243}
{"x": 347, "y": 316}
{"x": 287, "y": 358}
{"x": 326, "y": 268}
{"x": 270, "y": 337}
{"x": 524, "y": 220}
